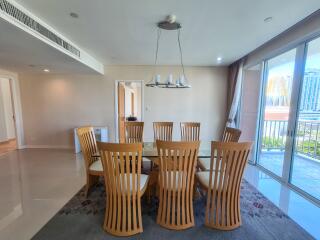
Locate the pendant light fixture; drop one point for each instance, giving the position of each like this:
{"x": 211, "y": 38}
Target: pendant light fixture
{"x": 169, "y": 24}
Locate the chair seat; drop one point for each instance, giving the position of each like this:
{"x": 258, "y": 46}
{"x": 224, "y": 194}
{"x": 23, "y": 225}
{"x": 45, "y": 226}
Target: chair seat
{"x": 204, "y": 177}
{"x": 144, "y": 159}
{"x": 178, "y": 180}
{"x": 143, "y": 182}
{"x": 96, "y": 166}
{"x": 204, "y": 164}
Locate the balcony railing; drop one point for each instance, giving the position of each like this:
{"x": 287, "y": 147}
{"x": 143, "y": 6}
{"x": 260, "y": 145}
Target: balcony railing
{"x": 307, "y": 141}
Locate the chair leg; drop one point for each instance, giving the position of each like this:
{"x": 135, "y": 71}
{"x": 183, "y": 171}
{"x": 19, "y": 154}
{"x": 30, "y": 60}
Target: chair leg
{"x": 196, "y": 193}
{"x": 149, "y": 195}
{"x": 91, "y": 180}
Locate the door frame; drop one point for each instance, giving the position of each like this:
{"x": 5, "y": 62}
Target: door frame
{"x": 17, "y": 109}
{"x": 285, "y": 178}
{"x": 116, "y": 125}
{"x": 293, "y": 110}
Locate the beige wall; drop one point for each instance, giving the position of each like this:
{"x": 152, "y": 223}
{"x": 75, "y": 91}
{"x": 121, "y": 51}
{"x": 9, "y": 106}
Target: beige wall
{"x": 53, "y": 105}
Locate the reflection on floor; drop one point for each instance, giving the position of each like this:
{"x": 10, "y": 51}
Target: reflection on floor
{"x": 305, "y": 170}
{"x": 301, "y": 210}
{"x": 35, "y": 184}
{"x": 8, "y": 146}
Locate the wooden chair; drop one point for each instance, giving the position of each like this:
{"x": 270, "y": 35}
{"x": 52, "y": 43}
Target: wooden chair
{"x": 88, "y": 146}
{"x": 134, "y": 132}
{"x": 229, "y": 135}
{"x": 177, "y": 163}
{"x": 125, "y": 186}
{"x": 222, "y": 183}
{"x": 190, "y": 131}
{"x": 162, "y": 131}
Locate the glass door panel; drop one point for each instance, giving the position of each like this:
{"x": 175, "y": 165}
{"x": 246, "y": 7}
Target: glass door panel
{"x": 279, "y": 72}
{"x": 305, "y": 170}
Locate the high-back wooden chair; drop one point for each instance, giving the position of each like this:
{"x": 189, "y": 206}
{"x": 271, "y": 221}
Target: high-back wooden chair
{"x": 229, "y": 135}
{"x": 177, "y": 163}
{"x": 134, "y": 132}
{"x": 222, "y": 183}
{"x": 125, "y": 186}
{"x": 162, "y": 131}
{"x": 190, "y": 131}
{"x": 89, "y": 148}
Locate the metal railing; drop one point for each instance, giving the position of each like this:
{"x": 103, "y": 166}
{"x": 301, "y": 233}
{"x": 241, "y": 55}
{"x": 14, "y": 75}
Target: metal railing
{"x": 307, "y": 140}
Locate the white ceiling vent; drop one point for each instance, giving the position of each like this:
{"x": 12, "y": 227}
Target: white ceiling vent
{"x": 11, "y": 10}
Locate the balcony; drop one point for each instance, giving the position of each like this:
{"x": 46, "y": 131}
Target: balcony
{"x": 306, "y": 156}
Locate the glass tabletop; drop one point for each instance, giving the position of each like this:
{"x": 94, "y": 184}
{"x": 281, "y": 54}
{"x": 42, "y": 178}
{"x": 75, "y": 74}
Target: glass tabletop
{"x": 150, "y": 150}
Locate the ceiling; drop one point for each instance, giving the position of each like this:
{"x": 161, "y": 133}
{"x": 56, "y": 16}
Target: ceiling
{"x": 123, "y": 31}
{"x": 21, "y": 52}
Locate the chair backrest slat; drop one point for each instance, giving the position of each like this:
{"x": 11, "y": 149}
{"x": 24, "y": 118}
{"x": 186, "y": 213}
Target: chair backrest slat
{"x": 134, "y": 132}
{"x": 231, "y": 135}
{"x": 190, "y": 131}
{"x": 228, "y": 161}
{"x": 177, "y": 164}
{"x": 88, "y": 144}
{"x": 162, "y": 131}
{"x": 122, "y": 173}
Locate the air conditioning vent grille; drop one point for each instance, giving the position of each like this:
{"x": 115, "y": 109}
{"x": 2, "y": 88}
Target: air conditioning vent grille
{"x": 31, "y": 23}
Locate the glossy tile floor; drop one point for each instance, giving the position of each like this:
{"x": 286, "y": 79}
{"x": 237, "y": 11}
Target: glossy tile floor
{"x": 36, "y": 183}
{"x": 301, "y": 210}
{"x": 305, "y": 171}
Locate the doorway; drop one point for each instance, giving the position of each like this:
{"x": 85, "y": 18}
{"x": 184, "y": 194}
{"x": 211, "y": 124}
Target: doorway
{"x": 7, "y": 117}
{"x": 128, "y": 105}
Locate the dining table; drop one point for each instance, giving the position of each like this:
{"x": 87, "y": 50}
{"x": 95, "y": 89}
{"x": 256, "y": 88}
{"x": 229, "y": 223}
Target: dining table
{"x": 150, "y": 150}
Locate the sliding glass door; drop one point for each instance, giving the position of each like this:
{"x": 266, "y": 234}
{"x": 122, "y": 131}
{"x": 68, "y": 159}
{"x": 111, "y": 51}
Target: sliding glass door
{"x": 279, "y": 75}
{"x": 305, "y": 171}
{"x": 289, "y": 128}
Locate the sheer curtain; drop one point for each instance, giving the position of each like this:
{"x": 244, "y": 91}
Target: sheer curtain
{"x": 234, "y": 91}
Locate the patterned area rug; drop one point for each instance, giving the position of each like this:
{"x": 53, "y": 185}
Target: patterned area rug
{"x": 82, "y": 218}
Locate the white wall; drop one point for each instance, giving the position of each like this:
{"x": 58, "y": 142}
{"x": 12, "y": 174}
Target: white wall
{"x": 306, "y": 29}
{"x": 7, "y": 128}
{"x": 136, "y": 90}
{"x": 127, "y": 101}
{"x": 250, "y": 106}
{"x": 13, "y": 76}
{"x": 54, "y": 104}
{"x": 3, "y": 127}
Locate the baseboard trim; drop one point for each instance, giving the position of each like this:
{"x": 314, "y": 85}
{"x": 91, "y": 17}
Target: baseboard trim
{"x": 47, "y": 147}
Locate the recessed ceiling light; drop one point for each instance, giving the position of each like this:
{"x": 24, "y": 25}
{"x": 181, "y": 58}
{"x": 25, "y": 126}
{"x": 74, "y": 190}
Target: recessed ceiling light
{"x": 46, "y": 70}
{"x": 268, "y": 19}
{"x": 219, "y": 59}
{"x": 74, "y": 15}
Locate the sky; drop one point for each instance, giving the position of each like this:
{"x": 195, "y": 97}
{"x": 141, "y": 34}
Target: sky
{"x": 285, "y": 69}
